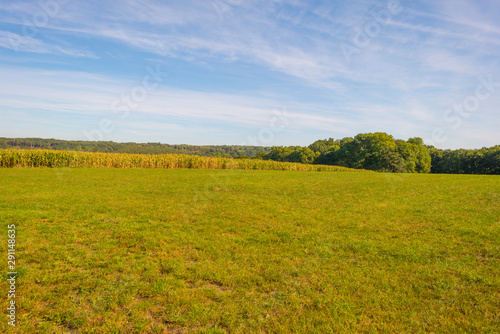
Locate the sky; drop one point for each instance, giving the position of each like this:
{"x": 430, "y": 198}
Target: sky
{"x": 267, "y": 73}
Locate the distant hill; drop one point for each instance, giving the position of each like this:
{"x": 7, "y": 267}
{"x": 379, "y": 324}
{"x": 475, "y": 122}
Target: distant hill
{"x": 137, "y": 148}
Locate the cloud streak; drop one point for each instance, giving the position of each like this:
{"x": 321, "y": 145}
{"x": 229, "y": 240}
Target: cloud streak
{"x": 425, "y": 58}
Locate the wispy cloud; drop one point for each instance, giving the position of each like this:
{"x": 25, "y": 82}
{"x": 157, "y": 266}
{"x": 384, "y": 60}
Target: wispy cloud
{"x": 28, "y": 44}
{"x": 76, "y": 95}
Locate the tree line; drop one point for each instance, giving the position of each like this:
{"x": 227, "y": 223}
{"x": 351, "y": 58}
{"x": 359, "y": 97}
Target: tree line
{"x": 382, "y": 152}
{"x": 372, "y": 151}
{"x": 482, "y": 161}
{"x": 224, "y": 151}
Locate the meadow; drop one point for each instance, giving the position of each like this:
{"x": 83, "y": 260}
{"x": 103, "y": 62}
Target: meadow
{"x": 136, "y": 250}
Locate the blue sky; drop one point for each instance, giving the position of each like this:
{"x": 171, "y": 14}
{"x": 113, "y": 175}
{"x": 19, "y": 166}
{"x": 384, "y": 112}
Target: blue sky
{"x": 251, "y": 72}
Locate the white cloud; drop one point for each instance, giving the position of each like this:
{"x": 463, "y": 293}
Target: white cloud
{"x": 80, "y": 94}
{"x": 29, "y": 44}
{"x": 411, "y": 71}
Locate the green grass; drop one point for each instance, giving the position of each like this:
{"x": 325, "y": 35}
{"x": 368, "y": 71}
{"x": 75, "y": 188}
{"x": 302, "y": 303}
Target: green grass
{"x": 239, "y": 251}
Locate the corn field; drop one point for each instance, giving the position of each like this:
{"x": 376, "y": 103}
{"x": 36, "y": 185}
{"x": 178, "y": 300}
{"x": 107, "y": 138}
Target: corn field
{"x": 12, "y": 158}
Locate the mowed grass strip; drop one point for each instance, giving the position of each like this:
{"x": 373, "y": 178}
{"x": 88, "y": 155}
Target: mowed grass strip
{"x": 237, "y": 251}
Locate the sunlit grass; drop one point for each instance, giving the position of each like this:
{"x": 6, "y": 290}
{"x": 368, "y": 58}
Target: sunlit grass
{"x": 239, "y": 251}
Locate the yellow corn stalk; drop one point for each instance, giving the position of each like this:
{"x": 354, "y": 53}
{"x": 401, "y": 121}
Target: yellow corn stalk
{"x": 11, "y": 158}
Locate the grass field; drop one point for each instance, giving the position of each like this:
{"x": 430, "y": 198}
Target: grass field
{"x": 241, "y": 251}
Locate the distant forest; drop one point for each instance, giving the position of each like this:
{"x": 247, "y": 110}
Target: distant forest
{"x": 381, "y": 152}
{"x": 133, "y": 148}
{"x": 373, "y": 151}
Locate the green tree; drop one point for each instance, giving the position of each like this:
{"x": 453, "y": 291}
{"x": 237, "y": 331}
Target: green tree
{"x": 373, "y": 151}
{"x": 302, "y": 155}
